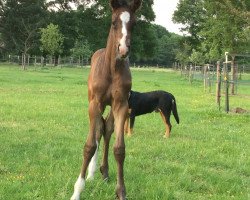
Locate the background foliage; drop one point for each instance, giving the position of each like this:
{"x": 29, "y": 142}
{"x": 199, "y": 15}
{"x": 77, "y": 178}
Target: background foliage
{"x": 215, "y": 27}
{"x": 87, "y": 22}
{"x": 210, "y": 28}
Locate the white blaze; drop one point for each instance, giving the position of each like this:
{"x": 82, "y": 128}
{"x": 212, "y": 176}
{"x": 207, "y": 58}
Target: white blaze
{"x": 125, "y": 17}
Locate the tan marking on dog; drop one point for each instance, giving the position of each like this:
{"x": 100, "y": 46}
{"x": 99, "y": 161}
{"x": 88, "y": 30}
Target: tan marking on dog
{"x": 167, "y": 133}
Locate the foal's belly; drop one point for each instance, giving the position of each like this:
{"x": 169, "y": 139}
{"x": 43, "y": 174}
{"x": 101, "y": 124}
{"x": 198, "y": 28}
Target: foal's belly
{"x": 114, "y": 94}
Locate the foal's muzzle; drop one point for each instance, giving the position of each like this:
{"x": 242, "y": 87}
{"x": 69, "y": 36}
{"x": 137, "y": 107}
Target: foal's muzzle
{"x": 123, "y": 51}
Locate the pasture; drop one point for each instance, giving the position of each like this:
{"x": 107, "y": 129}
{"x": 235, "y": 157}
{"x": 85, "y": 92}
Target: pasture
{"x": 44, "y": 124}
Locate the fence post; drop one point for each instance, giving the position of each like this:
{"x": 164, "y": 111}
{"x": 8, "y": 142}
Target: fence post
{"x": 205, "y": 77}
{"x": 209, "y": 82}
{"x": 218, "y": 84}
{"x": 236, "y": 77}
{"x": 191, "y": 74}
{"x": 233, "y": 78}
{"x": 225, "y": 73}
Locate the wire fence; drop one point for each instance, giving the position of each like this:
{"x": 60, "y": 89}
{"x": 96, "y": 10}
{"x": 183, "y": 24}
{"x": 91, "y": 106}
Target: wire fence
{"x": 43, "y": 61}
{"x": 208, "y": 74}
{"x": 224, "y": 79}
{"x": 67, "y": 61}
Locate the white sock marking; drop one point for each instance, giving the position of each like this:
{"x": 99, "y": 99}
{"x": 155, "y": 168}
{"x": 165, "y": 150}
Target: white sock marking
{"x": 93, "y": 164}
{"x": 78, "y": 188}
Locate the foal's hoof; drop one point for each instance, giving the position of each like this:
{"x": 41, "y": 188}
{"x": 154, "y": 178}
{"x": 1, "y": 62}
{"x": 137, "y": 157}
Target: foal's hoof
{"x": 105, "y": 174}
{"x": 121, "y": 193}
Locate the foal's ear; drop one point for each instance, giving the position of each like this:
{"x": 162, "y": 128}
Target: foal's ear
{"x": 117, "y": 3}
{"x": 135, "y": 5}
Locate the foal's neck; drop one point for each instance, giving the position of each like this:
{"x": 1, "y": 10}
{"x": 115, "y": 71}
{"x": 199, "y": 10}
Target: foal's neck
{"x": 111, "y": 60}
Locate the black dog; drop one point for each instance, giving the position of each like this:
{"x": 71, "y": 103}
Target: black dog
{"x": 159, "y": 101}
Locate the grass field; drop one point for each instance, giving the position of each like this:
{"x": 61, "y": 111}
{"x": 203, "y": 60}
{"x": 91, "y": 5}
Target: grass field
{"x": 44, "y": 123}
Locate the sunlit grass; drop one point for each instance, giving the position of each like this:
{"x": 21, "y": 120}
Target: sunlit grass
{"x": 44, "y": 124}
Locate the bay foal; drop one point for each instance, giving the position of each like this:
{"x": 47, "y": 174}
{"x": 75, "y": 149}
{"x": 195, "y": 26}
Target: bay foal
{"x": 109, "y": 83}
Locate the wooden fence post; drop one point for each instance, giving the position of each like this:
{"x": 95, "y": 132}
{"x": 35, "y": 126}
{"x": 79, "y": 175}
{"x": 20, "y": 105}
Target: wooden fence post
{"x": 205, "y": 77}
{"x": 191, "y": 74}
{"x": 233, "y": 78}
{"x": 225, "y": 73}
{"x": 218, "y": 84}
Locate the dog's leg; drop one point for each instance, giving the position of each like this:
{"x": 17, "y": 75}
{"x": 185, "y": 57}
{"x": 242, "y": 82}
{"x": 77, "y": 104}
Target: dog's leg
{"x": 132, "y": 121}
{"x": 166, "y": 120}
{"x": 126, "y": 125}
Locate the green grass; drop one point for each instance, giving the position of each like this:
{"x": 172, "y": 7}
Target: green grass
{"x": 44, "y": 124}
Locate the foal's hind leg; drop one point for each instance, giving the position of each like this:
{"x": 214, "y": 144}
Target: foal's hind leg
{"x": 93, "y": 163}
{"x": 166, "y": 119}
{"x": 89, "y": 148}
{"x": 109, "y": 129}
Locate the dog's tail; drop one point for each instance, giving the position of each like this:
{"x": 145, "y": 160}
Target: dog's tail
{"x": 174, "y": 111}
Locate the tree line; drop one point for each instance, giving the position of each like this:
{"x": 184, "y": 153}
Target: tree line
{"x": 79, "y": 27}
{"x": 213, "y": 28}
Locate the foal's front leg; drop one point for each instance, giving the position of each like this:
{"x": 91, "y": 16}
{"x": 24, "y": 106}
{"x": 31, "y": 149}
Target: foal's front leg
{"x": 120, "y": 112}
{"x": 89, "y": 148}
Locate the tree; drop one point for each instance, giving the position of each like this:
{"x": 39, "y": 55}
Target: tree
{"x": 21, "y": 20}
{"x": 191, "y": 14}
{"x": 219, "y": 25}
{"x": 222, "y": 30}
{"x": 19, "y": 24}
{"x": 144, "y": 43}
{"x": 197, "y": 58}
{"x": 166, "y": 46}
{"x": 52, "y": 40}
{"x": 81, "y": 50}
{"x": 69, "y": 25}
{"x": 182, "y": 55}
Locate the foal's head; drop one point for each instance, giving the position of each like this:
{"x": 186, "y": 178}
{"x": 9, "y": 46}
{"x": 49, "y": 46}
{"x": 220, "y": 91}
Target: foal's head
{"x": 123, "y": 19}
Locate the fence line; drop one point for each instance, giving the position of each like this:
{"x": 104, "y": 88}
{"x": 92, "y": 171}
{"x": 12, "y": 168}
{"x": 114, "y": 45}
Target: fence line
{"x": 227, "y": 77}
{"x": 40, "y": 60}
{"x": 62, "y": 61}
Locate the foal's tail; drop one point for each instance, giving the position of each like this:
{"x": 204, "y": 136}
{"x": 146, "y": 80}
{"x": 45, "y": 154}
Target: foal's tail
{"x": 174, "y": 111}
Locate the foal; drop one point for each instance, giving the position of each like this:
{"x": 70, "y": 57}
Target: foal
{"x": 109, "y": 83}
